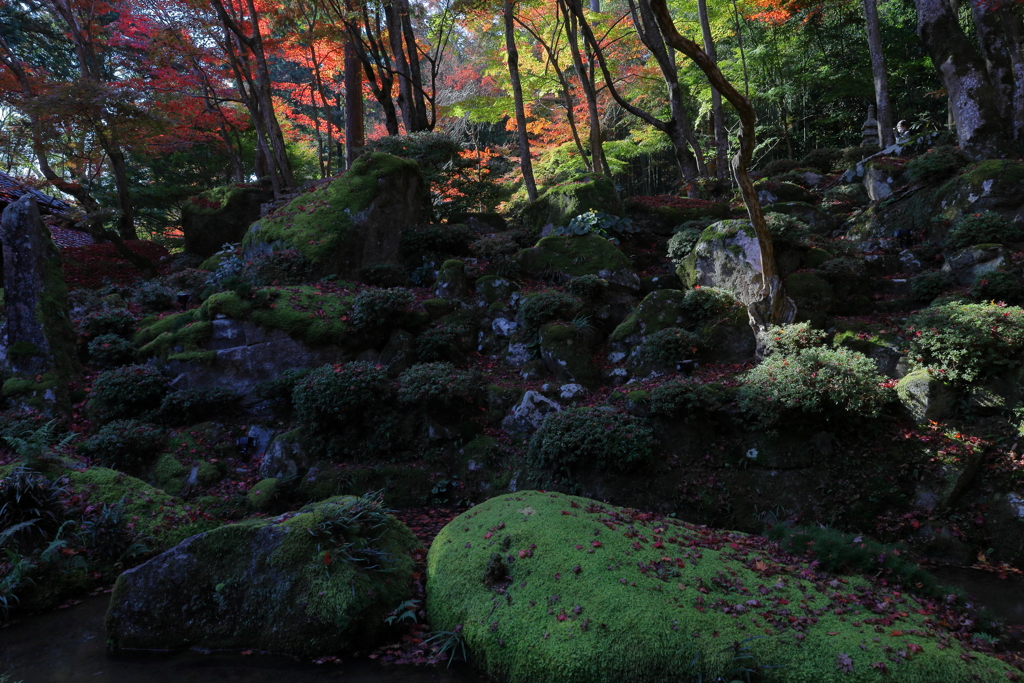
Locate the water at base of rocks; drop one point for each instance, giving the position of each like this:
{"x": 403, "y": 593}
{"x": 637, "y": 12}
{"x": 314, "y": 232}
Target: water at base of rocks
{"x": 68, "y": 646}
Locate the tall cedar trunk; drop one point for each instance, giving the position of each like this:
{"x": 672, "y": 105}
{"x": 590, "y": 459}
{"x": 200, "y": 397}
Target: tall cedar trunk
{"x": 973, "y": 102}
{"x": 354, "y": 135}
{"x": 883, "y": 107}
{"x": 717, "y": 113}
{"x": 244, "y": 84}
{"x": 415, "y": 73}
{"x": 589, "y": 92}
{"x": 517, "y": 94}
{"x": 775, "y": 307}
{"x": 375, "y": 60}
{"x": 126, "y": 221}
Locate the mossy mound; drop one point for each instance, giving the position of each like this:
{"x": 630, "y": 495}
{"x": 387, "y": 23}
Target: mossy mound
{"x": 312, "y": 583}
{"x": 578, "y": 255}
{"x": 549, "y": 587}
{"x": 221, "y": 215}
{"x": 561, "y": 203}
{"x": 353, "y": 221}
{"x": 658, "y": 310}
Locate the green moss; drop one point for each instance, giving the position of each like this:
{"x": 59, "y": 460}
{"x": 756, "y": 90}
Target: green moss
{"x": 154, "y": 512}
{"x": 815, "y": 257}
{"x": 190, "y": 338}
{"x": 561, "y": 203}
{"x": 152, "y": 327}
{"x": 438, "y": 308}
{"x": 211, "y": 264}
{"x": 262, "y": 495}
{"x": 725, "y": 229}
{"x": 557, "y": 332}
{"x": 169, "y": 474}
{"x": 217, "y": 199}
{"x": 1004, "y": 174}
{"x": 495, "y": 288}
{"x": 225, "y": 303}
{"x": 581, "y": 255}
{"x": 548, "y": 587}
{"x": 403, "y": 485}
{"x": 24, "y": 349}
{"x": 32, "y": 392}
{"x": 318, "y": 224}
{"x": 658, "y": 310}
{"x": 196, "y": 357}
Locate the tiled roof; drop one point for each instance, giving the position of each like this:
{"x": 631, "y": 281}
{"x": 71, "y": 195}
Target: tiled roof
{"x": 12, "y": 189}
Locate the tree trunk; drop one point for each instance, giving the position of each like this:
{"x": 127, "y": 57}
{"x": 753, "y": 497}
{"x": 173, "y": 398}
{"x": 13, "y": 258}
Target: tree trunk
{"x": 775, "y": 307}
{"x": 396, "y": 37}
{"x": 717, "y": 113}
{"x": 517, "y": 94}
{"x": 973, "y": 102}
{"x": 126, "y": 221}
{"x": 354, "y": 135}
{"x": 886, "y": 132}
{"x": 589, "y": 92}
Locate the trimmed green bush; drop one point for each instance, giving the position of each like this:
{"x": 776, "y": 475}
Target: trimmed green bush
{"x": 987, "y": 227}
{"x": 779, "y": 166}
{"x": 961, "y": 342}
{"x": 380, "y": 308}
{"x": 546, "y": 307}
{"x": 197, "y": 404}
{"x": 686, "y": 398}
{"x": 111, "y": 350}
{"x": 588, "y": 287}
{"x": 590, "y": 438}
{"x": 154, "y": 296}
{"x": 816, "y": 382}
{"x": 927, "y": 286}
{"x": 126, "y": 445}
{"x": 447, "y": 341}
{"x": 453, "y": 240}
{"x": 790, "y": 339}
{"x": 107, "y": 320}
{"x": 937, "y": 164}
{"x": 824, "y": 159}
{"x": 665, "y": 348}
{"x": 438, "y": 386}
{"x": 127, "y": 392}
{"x": 999, "y": 285}
{"x": 385, "y": 275}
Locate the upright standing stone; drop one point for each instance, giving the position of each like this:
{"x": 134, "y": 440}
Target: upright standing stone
{"x": 39, "y": 337}
{"x": 870, "y": 129}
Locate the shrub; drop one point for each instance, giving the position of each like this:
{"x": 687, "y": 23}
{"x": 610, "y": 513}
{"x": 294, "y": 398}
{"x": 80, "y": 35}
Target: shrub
{"x": 127, "y": 391}
{"x": 853, "y": 155}
{"x": 998, "y": 285}
{"x": 685, "y": 398}
{"x": 927, "y": 286}
{"x": 494, "y": 246}
{"x": 815, "y": 381}
{"x": 546, "y": 307}
{"x": 665, "y": 348}
{"x": 380, "y": 308}
{"x": 127, "y": 445}
{"x": 154, "y": 296}
{"x": 779, "y": 166}
{"x": 446, "y": 341}
{"x": 111, "y": 350}
{"x": 786, "y": 230}
{"x": 282, "y": 387}
{"x": 385, "y": 275}
{"x": 682, "y": 243}
{"x": 937, "y": 164}
{"x": 963, "y": 342}
{"x": 590, "y": 438}
{"x": 790, "y": 339}
{"x": 587, "y": 286}
{"x": 443, "y": 238}
{"x": 285, "y": 267}
{"x": 824, "y": 159}
{"x": 708, "y": 303}
{"x": 31, "y": 510}
{"x": 107, "y": 320}
{"x": 987, "y": 227}
{"x": 438, "y": 386}
{"x": 197, "y": 404}
{"x": 599, "y": 223}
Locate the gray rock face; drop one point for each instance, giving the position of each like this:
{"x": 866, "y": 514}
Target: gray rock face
{"x": 878, "y": 182}
{"x": 968, "y": 264}
{"x": 526, "y": 417}
{"x": 925, "y": 397}
{"x": 451, "y": 281}
{"x": 248, "y": 354}
{"x": 267, "y": 585}
{"x": 731, "y": 263}
{"x": 283, "y": 458}
{"x": 40, "y": 342}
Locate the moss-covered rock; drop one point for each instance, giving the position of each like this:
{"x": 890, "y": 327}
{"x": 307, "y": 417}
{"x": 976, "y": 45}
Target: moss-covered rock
{"x": 727, "y": 256}
{"x": 548, "y": 587}
{"x": 812, "y": 295}
{"x": 494, "y": 288}
{"x": 771, "y": 192}
{"x": 658, "y": 310}
{"x": 925, "y": 397}
{"x": 264, "y": 494}
{"x": 220, "y": 216}
{"x": 579, "y": 255}
{"x": 565, "y": 350}
{"x": 451, "y": 280}
{"x": 561, "y": 203}
{"x": 312, "y": 583}
{"x": 351, "y": 222}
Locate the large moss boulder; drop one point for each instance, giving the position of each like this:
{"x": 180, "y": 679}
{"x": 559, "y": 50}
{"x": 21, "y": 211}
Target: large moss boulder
{"x": 559, "y": 204}
{"x": 572, "y": 256}
{"x": 727, "y": 256}
{"x": 312, "y": 583}
{"x": 548, "y": 587}
{"x": 659, "y": 310}
{"x": 565, "y": 350}
{"x": 925, "y": 397}
{"x": 221, "y": 216}
{"x": 351, "y": 222}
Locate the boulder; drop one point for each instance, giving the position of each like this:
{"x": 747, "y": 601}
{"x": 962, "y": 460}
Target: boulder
{"x": 40, "y": 342}
{"x": 812, "y": 295}
{"x": 573, "y": 256}
{"x": 528, "y": 414}
{"x": 545, "y": 587}
{"x": 728, "y": 340}
{"x": 659, "y": 310}
{"x": 221, "y": 216}
{"x": 494, "y": 288}
{"x": 351, "y": 222}
{"x": 879, "y": 180}
{"x": 566, "y": 351}
{"x": 312, "y": 583}
{"x": 772, "y": 192}
{"x": 967, "y": 264}
{"x": 561, "y": 203}
{"x": 727, "y": 256}
{"x": 925, "y": 397}
{"x": 820, "y": 222}
{"x": 451, "y": 280}
{"x": 284, "y": 459}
